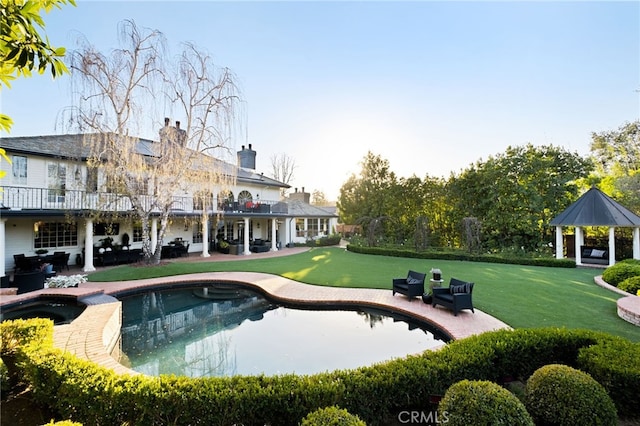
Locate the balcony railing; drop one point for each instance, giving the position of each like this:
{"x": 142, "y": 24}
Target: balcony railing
{"x": 17, "y": 197}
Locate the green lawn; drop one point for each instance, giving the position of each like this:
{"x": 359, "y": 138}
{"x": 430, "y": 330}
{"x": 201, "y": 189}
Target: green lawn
{"x": 521, "y": 296}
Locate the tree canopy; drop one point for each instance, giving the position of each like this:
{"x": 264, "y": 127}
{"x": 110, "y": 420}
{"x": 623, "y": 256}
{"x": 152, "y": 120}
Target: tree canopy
{"x": 22, "y": 46}
{"x": 511, "y": 196}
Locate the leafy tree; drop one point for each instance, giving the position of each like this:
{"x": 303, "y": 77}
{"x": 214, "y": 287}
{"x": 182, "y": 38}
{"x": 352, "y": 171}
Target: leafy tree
{"x": 114, "y": 93}
{"x": 517, "y": 193}
{"x": 617, "y": 157}
{"x": 369, "y": 194}
{"x": 22, "y": 47}
{"x": 318, "y": 198}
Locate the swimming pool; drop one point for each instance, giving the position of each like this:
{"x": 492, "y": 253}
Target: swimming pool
{"x": 227, "y": 330}
{"x": 59, "y": 310}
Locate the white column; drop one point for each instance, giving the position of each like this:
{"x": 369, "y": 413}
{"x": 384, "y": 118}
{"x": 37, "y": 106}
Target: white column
{"x": 274, "y": 243}
{"x": 154, "y": 235}
{"x": 636, "y": 243}
{"x": 247, "y": 249}
{"x": 612, "y": 246}
{"x": 577, "y": 244}
{"x": 2, "y": 248}
{"x": 88, "y": 246}
{"x": 559, "y": 243}
{"x": 205, "y": 236}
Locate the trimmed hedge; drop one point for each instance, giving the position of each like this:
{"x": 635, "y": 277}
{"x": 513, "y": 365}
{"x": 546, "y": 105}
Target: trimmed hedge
{"x": 560, "y": 395}
{"x": 480, "y": 402}
{"x": 82, "y": 391}
{"x": 380, "y": 251}
{"x": 630, "y": 285}
{"x": 614, "y": 363}
{"x": 619, "y": 272}
{"x": 331, "y": 416}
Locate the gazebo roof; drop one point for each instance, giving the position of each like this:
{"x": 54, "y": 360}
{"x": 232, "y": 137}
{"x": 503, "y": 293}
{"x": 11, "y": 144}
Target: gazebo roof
{"x": 595, "y": 208}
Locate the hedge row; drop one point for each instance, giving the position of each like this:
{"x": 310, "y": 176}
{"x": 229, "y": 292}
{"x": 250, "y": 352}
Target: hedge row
{"x": 381, "y": 251}
{"x": 82, "y": 391}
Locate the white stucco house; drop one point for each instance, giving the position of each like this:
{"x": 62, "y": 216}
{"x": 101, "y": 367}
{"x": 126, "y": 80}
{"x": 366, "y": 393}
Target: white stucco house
{"x": 48, "y": 195}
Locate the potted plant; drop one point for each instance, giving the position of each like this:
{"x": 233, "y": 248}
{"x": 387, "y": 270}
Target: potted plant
{"x": 223, "y": 247}
{"x": 42, "y": 252}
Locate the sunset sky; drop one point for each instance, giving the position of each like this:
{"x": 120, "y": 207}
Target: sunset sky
{"x": 430, "y": 86}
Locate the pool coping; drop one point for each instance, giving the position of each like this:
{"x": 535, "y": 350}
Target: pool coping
{"x": 96, "y": 332}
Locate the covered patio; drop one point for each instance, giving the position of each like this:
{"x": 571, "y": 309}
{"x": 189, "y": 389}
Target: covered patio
{"x": 595, "y": 208}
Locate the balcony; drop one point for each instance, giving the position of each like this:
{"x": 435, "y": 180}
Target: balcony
{"x": 23, "y": 198}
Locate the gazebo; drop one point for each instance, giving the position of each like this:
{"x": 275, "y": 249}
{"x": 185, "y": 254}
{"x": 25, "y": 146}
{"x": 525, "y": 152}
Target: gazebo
{"x": 595, "y": 208}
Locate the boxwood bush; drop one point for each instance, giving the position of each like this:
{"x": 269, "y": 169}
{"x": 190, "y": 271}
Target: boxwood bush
{"x": 481, "y": 402}
{"x": 619, "y": 272}
{"x": 91, "y": 394}
{"x": 630, "y": 285}
{"x": 331, "y": 416}
{"x": 614, "y": 363}
{"x": 560, "y": 395}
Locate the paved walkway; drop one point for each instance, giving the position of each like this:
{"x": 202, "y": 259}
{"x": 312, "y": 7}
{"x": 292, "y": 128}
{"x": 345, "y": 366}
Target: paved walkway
{"x": 94, "y": 334}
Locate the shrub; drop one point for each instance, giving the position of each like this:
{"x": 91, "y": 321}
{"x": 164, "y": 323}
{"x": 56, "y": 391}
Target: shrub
{"x": 619, "y": 272}
{"x": 470, "y": 402}
{"x": 615, "y": 364}
{"x": 331, "y": 416}
{"x": 80, "y": 390}
{"x": 630, "y": 285}
{"x": 557, "y": 394}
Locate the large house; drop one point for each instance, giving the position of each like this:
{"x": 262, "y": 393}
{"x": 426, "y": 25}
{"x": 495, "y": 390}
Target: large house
{"x": 49, "y": 199}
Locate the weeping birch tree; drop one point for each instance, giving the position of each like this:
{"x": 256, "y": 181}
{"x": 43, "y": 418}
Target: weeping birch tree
{"x": 120, "y": 94}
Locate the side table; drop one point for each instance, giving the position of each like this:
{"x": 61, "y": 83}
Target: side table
{"x": 427, "y": 297}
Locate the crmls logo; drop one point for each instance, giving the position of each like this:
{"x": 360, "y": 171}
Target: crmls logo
{"x": 422, "y": 417}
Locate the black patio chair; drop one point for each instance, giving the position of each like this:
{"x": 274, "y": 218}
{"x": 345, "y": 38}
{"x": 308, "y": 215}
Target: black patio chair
{"x": 29, "y": 281}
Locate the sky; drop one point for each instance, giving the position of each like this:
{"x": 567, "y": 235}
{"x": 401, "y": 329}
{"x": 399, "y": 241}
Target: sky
{"x": 431, "y": 87}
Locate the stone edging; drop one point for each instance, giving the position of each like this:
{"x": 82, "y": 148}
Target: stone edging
{"x": 628, "y": 306}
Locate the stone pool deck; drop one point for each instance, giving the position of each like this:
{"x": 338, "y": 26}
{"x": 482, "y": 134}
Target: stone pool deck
{"x": 94, "y": 335}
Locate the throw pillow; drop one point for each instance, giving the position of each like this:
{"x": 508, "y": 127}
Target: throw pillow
{"x": 597, "y": 253}
{"x": 456, "y": 289}
{"x": 412, "y": 280}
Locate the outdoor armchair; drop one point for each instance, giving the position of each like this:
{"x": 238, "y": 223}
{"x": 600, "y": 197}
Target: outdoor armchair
{"x": 411, "y": 286}
{"x": 456, "y": 297}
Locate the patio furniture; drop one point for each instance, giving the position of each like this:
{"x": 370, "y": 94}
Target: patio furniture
{"x": 5, "y": 282}
{"x": 29, "y": 281}
{"x": 456, "y": 297}
{"x": 60, "y": 260}
{"x": 411, "y": 286}
{"x": 25, "y": 263}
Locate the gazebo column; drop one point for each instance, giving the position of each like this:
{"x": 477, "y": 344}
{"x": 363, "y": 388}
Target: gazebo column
{"x": 577, "y": 244}
{"x": 559, "y": 243}
{"x": 612, "y": 246}
{"x": 636, "y": 243}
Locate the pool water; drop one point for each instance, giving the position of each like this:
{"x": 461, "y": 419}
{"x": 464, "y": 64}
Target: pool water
{"x": 227, "y": 331}
{"x": 59, "y": 311}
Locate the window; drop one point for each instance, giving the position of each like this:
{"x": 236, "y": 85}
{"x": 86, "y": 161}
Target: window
{"x": 300, "y": 228}
{"x": 137, "y": 233}
{"x": 56, "y": 182}
{"x": 92, "y": 179}
{"x": 324, "y": 225}
{"x": 55, "y": 234}
{"x": 197, "y": 232}
{"x": 19, "y": 169}
{"x": 312, "y": 227}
